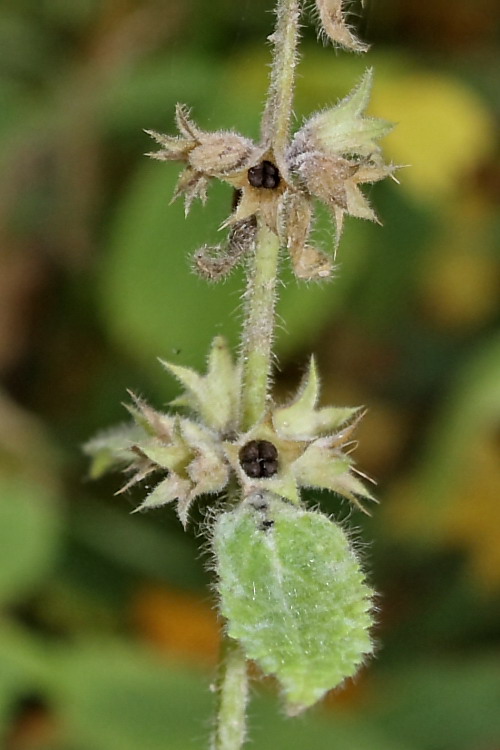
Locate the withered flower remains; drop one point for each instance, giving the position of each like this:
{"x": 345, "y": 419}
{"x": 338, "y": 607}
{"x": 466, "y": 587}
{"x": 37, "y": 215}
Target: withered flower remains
{"x": 333, "y": 153}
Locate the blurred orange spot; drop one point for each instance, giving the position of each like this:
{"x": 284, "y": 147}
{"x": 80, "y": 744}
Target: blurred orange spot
{"x": 353, "y": 695}
{"x": 35, "y": 729}
{"x": 177, "y": 623}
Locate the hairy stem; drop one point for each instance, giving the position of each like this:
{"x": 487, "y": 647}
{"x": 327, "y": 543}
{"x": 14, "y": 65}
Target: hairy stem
{"x": 259, "y": 327}
{"x": 258, "y": 333}
{"x": 232, "y": 686}
{"x": 261, "y": 292}
{"x": 278, "y": 111}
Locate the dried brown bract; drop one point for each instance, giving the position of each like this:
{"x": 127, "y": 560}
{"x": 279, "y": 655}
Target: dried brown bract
{"x": 329, "y": 158}
{"x": 215, "y": 262}
{"x": 332, "y": 15}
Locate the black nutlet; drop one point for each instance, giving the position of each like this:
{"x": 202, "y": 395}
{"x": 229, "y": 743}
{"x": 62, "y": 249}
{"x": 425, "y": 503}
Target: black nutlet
{"x": 259, "y": 459}
{"x": 264, "y": 175}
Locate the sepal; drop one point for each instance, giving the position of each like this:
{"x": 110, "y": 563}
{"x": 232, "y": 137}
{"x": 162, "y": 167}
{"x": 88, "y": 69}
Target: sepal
{"x": 170, "y": 456}
{"x": 111, "y": 449}
{"x": 301, "y": 420}
{"x": 169, "y": 489}
{"x": 214, "y": 396}
{"x": 153, "y": 422}
{"x": 345, "y": 129}
{"x": 322, "y": 468}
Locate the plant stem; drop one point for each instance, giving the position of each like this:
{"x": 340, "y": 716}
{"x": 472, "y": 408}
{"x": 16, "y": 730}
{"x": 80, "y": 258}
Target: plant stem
{"x": 233, "y": 695}
{"x": 258, "y": 333}
{"x": 261, "y": 291}
{"x": 278, "y": 111}
{"x": 259, "y": 327}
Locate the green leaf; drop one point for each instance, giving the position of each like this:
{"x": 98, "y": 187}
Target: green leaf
{"x": 319, "y": 731}
{"x": 469, "y": 414}
{"x": 443, "y": 705}
{"x": 29, "y": 536}
{"x": 115, "y": 697}
{"x": 293, "y": 593}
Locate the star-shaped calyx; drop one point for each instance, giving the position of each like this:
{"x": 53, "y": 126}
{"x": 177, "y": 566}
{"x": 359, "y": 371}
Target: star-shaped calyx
{"x": 224, "y": 155}
{"x": 334, "y": 153}
{"x": 296, "y": 445}
{"x": 300, "y": 445}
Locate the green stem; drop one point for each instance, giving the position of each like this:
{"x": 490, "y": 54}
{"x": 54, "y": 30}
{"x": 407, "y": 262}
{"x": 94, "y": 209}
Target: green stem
{"x": 261, "y": 292}
{"x": 258, "y": 336}
{"x": 232, "y": 686}
{"x": 278, "y": 111}
{"x": 259, "y": 327}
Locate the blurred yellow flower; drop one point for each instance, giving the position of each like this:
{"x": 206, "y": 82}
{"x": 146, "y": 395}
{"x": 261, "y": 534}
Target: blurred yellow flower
{"x": 443, "y": 129}
{"x": 459, "y": 274}
{"x": 474, "y": 523}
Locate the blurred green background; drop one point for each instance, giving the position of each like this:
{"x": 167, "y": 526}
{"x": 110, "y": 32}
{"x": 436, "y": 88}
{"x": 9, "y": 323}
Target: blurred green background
{"x": 108, "y": 636}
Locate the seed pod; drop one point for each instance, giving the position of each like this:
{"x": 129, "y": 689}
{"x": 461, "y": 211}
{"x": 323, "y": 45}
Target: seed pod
{"x": 293, "y": 594}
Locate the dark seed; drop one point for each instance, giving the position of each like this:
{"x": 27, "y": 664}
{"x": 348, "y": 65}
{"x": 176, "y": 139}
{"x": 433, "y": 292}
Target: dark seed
{"x": 252, "y": 469}
{"x": 267, "y": 451}
{"x": 264, "y": 175}
{"x": 250, "y": 451}
{"x": 268, "y": 468}
{"x": 259, "y": 459}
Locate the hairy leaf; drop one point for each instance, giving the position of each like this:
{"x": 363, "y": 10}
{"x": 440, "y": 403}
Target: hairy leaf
{"x": 293, "y": 594}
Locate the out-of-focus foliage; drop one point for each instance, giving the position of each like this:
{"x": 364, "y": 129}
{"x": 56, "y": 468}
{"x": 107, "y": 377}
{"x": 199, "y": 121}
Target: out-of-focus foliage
{"x": 108, "y": 635}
